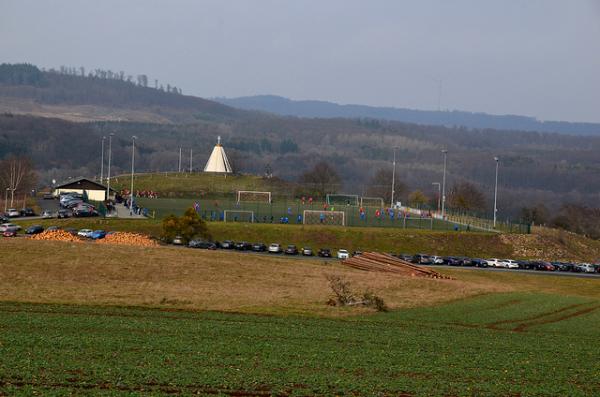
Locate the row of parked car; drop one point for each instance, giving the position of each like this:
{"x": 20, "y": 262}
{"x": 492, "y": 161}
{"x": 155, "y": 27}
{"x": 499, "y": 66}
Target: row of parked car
{"x": 72, "y": 204}
{"x": 16, "y": 213}
{"x": 273, "y": 248}
{"x": 424, "y": 259}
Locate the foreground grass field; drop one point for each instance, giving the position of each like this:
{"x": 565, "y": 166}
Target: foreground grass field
{"x": 513, "y": 344}
{"x": 87, "y": 319}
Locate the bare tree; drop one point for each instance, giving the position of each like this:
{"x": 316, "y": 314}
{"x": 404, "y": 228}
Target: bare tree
{"x": 16, "y": 174}
{"x": 381, "y": 185}
{"x": 321, "y": 180}
{"x": 465, "y": 196}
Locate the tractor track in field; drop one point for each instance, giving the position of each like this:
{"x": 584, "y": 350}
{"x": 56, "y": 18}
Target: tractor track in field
{"x": 523, "y": 324}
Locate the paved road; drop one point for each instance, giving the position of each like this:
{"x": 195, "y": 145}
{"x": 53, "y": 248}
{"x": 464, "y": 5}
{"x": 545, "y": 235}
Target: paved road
{"x": 465, "y": 268}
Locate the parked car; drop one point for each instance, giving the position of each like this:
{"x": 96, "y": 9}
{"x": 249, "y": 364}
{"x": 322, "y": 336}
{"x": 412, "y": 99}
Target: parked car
{"x": 421, "y": 259}
{"x": 52, "y": 228}
{"x": 437, "y": 260}
{"x": 228, "y": 245}
{"x": 35, "y": 229}
{"x": 452, "y": 261}
{"x": 13, "y": 213}
{"x": 464, "y": 261}
{"x": 72, "y": 230}
{"x": 3, "y": 219}
{"x": 477, "y": 262}
{"x": 275, "y": 248}
{"x": 495, "y": 262}
{"x": 405, "y": 257}
{"x": 48, "y": 196}
{"x": 324, "y": 253}
{"x": 177, "y": 240}
{"x": 544, "y": 266}
{"x": 291, "y": 250}
{"x": 243, "y": 246}
{"x": 47, "y": 214}
{"x": 307, "y": 251}
{"x": 8, "y": 226}
{"x": 209, "y": 245}
{"x": 27, "y": 212}
{"x": 10, "y": 233}
{"x": 259, "y": 247}
{"x": 64, "y": 214}
{"x": 97, "y": 234}
{"x": 343, "y": 254}
{"x": 356, "y": 253}
{"x": 84, "y": 232}
{"x": 510, "y": 264}
{"x": 587, "y": 268}
{"x": 82, "y": 212}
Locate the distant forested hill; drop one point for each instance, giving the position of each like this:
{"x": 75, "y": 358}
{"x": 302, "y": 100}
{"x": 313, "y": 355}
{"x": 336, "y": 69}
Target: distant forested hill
{"x": 102, "y": 94}
{"x": 287, "y": 107}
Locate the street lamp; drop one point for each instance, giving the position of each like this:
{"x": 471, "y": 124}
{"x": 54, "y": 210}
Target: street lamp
{"x": 133, "y": 138}
{"x": 496, "y": 192}
{"x": 179, "y": 166}
{"x": 445, "y": 152}
{"x": 439, "y": 195}
{"x": 102, "y": 161}
{"x": 393, "y": 178}
{"x": 109, "y": 158}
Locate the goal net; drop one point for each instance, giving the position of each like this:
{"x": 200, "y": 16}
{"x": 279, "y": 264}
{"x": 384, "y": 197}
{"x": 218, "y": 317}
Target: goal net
{"x": 238, "y": 216}
{"x": 371, "y": 202}
{"x": 250, "y": 196}
{"x": 342, "y": 199}
{"x": 312, "y": 217}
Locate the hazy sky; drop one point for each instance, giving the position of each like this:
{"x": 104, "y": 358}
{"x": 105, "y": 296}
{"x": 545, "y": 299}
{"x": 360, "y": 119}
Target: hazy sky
{"x": 532, "y": 57}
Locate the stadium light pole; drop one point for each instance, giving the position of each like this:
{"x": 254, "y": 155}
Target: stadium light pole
{"x": 445, "y": 152}
{"x": 133, "y": 138}
{"x": 179, "y": 166}
{"x": 496, "y": 192}
{"x": 439, "y": 195}
{"x": 109, "y": 158}
{"x": 102, "y": 161}
{"x": 191, "y": 160}
{"x": 393, "y": 178}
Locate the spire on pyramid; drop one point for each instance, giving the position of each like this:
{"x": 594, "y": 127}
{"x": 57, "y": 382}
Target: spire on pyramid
{"x": 218, "y": 162}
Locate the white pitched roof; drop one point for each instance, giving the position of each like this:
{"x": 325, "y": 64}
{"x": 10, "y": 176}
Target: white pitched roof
{"x": 217, "y": 162}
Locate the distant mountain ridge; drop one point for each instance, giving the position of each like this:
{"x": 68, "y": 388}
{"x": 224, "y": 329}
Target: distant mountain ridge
{"x": 322, "y": 109}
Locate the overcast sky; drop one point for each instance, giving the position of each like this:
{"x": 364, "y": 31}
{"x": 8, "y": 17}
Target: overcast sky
{"x": 532, "y": 57}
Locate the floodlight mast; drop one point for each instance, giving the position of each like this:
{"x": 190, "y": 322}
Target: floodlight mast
{"x": 109, "y": 158}
{"x": 133, "y": 138}
{"x": 496, "y": 192}
{"x": 393, "y": 178}
{"x": 445, "y": 153}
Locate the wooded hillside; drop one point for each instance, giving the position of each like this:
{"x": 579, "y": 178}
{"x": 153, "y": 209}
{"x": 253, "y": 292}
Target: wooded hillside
{"x": 534, "y": 167}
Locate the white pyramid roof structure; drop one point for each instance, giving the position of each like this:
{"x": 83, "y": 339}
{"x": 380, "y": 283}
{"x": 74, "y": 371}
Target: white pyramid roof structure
{"x": 217, "y": 162}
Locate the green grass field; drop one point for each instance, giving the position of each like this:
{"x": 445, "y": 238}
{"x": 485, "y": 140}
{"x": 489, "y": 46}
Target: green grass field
{"x": 512, "y": 344}
{"x": 211, "y": 209}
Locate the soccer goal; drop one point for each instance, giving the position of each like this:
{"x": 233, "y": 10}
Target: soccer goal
{"x": 342, "y": 199}
{"x": 253, "y": 196}
{"x": 371, "y": 202}
{"x": 312, "y": 217}
{"x": 238, "y": 216}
